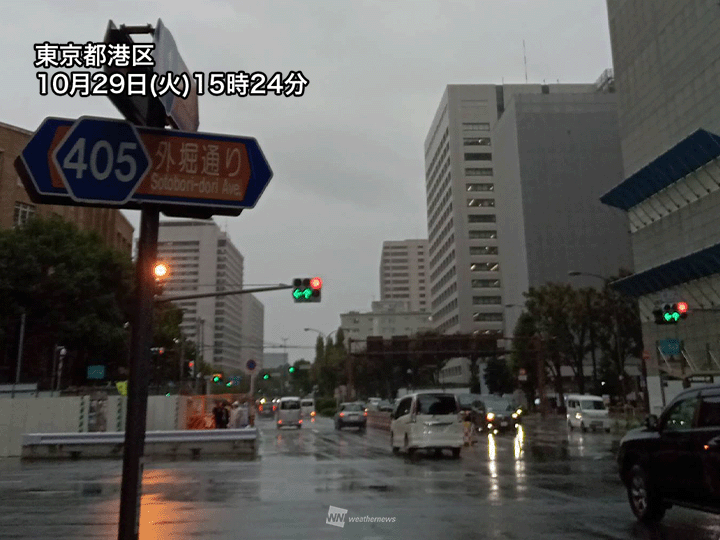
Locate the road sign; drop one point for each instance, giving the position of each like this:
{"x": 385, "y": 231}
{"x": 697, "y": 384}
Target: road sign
{"x": 251, "y": 365}
{"x": 182, "y": 112}
{"x": 669, "y": 347}
{"x": 222, "y": 174}
{"x": 101, "y": 161}
{"x": 96, "y": 372}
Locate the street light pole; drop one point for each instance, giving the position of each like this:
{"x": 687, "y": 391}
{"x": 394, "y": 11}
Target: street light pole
{"x": 20, "y": 353}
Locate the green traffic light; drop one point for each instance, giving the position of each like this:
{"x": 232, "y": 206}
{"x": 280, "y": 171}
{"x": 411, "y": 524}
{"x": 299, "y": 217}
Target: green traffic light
{"x": 292, "y": 370}
{"x": 229, "y": 383}
{"x": 297, "y": 293}
{"x": 266, "y": 377}
{"x": 216, "y": 379}
{"x": 676, "y": 316}
{"x": 667, "y": 317}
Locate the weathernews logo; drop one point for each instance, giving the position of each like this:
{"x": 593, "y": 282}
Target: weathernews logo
{"x": 336, "y": 516}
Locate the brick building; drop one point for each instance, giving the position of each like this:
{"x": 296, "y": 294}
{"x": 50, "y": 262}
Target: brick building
{"x": 16, "y": 206}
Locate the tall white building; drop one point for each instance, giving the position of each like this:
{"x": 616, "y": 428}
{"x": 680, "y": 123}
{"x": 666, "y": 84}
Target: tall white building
{"x": 465, "y": 273}
{"x": 252, "y": 329}
{"x": 404, "y": 273}
{"x": 202, "y": 258}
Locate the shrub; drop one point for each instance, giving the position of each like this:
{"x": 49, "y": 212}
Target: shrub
{"x": 328, "y": 411}
{"x": 325, "y": 403}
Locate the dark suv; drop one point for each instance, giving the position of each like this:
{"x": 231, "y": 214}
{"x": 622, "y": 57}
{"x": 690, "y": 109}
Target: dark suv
{"x": 675, "y": 459}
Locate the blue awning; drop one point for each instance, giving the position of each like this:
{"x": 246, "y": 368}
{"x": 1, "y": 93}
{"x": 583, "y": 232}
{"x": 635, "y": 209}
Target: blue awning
{"x": 685, "y": 157}
{"x": 694, "y": 266}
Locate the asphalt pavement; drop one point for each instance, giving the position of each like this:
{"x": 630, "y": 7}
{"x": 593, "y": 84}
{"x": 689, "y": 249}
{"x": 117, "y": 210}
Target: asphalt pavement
{"x": 544, "y": 483}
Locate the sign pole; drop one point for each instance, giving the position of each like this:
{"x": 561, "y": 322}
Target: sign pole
{"x": 139, "y": 379}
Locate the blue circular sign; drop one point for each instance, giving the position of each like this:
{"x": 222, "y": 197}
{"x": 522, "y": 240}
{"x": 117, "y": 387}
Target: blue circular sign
{"x": 251, "y": 364}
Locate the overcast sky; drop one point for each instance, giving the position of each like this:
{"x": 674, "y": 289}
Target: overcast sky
{"x": 348, "y": 156}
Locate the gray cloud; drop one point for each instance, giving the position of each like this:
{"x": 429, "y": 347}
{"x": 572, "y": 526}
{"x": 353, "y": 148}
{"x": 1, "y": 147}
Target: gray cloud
{"x": 348, "y": 156}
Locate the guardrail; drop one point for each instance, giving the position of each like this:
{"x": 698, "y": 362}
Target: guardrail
{"x": 190, "y": 443}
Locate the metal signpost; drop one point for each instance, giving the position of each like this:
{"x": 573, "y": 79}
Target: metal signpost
{"x": 102, "y": 162}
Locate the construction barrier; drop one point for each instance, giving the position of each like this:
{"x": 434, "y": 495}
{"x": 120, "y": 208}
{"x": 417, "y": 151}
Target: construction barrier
{"x": 199, "y": 409}
{"x": 379, "y": 420}
{"x": 468, "y": 433}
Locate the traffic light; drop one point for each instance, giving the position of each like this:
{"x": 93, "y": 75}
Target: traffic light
{"x": 161, "y": 271}
{"x": 266, "y": 376}
{"x": 217, "y": 377}
{"x": 307, "y": 289}
{"x": 190, "y": 369}
{"x": 291, "y": 369}
{"x": 671, "y": 313}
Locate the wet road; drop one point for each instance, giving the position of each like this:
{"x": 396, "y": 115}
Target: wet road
{"x": 544, "y": 484}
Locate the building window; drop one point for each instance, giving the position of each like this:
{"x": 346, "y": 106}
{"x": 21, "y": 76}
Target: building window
{"x": 485, "y": 218}
{"x": 476, "y": 126}
{"x": 23, "y": 212}
{"x": 480, "y": 187}
{"x": 483, "y": 250}
{"x": 484, "y": 203}
{"x": 474, "y": 171}
{"x": 482, "y": 235}
{"x": 485, "y": 156}
{"x": 484, "y": 267}
{"x": 487, "y": 300}
{"x": 485, "y": 283}
{"x": 487, "y": 317}
{"x": 476, "y": 141}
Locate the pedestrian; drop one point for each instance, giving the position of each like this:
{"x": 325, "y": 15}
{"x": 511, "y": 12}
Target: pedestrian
{"x": 219, "y": 415}
{"x": 234, "y": 422}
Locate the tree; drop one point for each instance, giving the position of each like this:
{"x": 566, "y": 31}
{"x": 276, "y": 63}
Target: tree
{"x": 524, "y": 355}
{"x": 75, "y": 291}
{"x": 300, "y": 377}
{"x": 498, "y": 377}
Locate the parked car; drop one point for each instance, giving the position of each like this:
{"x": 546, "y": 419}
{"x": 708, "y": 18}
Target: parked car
{"x": 385, "y": 406}
{"x": 351, "y": 415}
{"x": 675, "y": 459}
{"x": 501, "y": 414}
{"x": 429, "y": 421}
{"x": 587, "y": 412}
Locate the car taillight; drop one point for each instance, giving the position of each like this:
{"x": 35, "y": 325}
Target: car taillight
{"x": 260, "y": 408}
{"x": 300, "y": 420}
{"x": 342, "y": 414}
{"x": 279, "y": 421}
{"x": 312, "y": 413}
{"x": 365, "y": 413}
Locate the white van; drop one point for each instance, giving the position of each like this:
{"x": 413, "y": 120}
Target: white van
{"x": 427, "y": 420}
{"x": 308, "y": 408}
{"x": 289, "y": 412}
{"x": 587, "y": 412}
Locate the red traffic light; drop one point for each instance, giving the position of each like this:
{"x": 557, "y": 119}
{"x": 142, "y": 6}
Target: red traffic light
{"x": 682, "y": 307}
{"x": 191, "y": 364}
{"x": 315, "y": 283}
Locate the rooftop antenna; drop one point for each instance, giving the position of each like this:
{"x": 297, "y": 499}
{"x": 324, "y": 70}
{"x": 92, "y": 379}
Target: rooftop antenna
{"x": 525, "y": 60}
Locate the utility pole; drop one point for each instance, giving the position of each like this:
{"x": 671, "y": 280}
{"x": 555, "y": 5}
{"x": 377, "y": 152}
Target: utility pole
{"x": 592, "y": 342}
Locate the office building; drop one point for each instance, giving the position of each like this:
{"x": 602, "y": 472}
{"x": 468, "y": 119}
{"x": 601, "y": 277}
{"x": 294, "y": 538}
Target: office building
{"x": 202, "y": 259}
{"x": 666, "y": 58}
{"x": 252, "y": 329}
{"x": 275, "y": 360}
{"x": 462, "y": 210}
{"x": 16, "y": 207}
{"x": 555, "y": 155}
{"x": 386, "y": 318}
{"x": 404, "y": 273}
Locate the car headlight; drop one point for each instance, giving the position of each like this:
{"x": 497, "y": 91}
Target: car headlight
{"x": 578, "y": 416}
{"x": 514, "y": 415}
{"x": 490, "y": 416}
{"x": 518, "y": 412}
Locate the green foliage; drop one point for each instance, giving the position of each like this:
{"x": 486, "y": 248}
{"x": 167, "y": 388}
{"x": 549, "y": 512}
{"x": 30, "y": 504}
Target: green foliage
{"x": 328, "y": 411}
{"x": 325, "y": 403}
{"x": 498, "y": 377}
{"x": 75, "y": 291}
{"x": 300, "y": 378}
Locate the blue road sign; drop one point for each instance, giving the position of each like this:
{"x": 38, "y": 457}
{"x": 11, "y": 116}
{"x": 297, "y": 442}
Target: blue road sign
{"x": 251, "y": 365}
{"x": 669, "y": 346}
{"x": 101, "y": 160}
{"x": 116, "y": 162}
{"x": 96, "y": 372}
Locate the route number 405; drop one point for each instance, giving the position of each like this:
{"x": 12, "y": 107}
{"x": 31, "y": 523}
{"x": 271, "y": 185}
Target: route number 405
{"x": 100, "y": 169}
